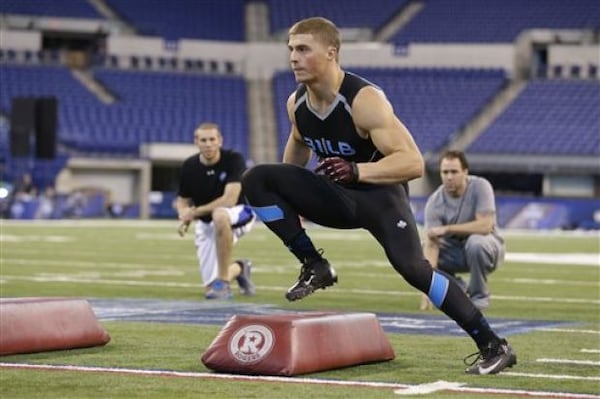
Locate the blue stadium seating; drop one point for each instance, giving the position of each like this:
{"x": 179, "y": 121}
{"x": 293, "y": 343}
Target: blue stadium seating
{"x": 37, "y": 81}
{"x": 433, "y": 103}
{"x": 549, "y": 117}
{"x": 167, "y": 106}
{"x": 191, "y": 19}
{"x": 371, "y": 14}
{"x": 151, "y": 106}
{"x": 494, "y": 21}
{"x": 50, "y": 8}
{"x": 24, "y": 80}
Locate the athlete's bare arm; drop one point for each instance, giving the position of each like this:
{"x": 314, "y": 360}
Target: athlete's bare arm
{"x": 483, "y": 224}
{"x": 183, "y": 207}
{"x": 296, "y": 151}
{"x": 374, "y": 116}
{"x": 229, "y": 198}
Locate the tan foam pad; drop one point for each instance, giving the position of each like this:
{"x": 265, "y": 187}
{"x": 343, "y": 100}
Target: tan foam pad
{"x": 41, "y": 324}
{"x": 293, "y": 344}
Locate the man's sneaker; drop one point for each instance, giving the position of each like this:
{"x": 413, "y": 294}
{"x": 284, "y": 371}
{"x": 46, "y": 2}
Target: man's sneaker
{"x": 315, "y": 274}
{"x": 218, "y": 289}
{"x": 243, "y": 279}
{"x": 492, "y": 359}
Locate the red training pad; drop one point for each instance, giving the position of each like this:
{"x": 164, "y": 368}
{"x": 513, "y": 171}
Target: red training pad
{"x": 40, "y": 324}
{"x": 292, "y": 344}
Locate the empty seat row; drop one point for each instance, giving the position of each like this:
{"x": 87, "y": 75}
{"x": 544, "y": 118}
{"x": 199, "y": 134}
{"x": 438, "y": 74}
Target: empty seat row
{"x": 371, "y": 14}
{"x": 494, "y": 21}
{"x": 150, "y": 106}
{"x": 549, "y": 117}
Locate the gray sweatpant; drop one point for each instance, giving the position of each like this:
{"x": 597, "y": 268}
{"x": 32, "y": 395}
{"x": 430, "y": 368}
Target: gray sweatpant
{"x": 478, "y": 255}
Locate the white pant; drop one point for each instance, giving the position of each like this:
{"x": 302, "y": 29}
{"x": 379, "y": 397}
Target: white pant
{"x": 242, "y": 220}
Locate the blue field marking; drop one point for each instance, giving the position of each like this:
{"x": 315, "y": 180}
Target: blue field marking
{"x": 218, "y": 313}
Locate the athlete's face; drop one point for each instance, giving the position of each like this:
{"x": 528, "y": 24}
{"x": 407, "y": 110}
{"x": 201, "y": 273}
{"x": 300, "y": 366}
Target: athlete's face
{"x": 308, "y": 57}
{"x": 209, "y": 142}
{"x": 454, "y": 177}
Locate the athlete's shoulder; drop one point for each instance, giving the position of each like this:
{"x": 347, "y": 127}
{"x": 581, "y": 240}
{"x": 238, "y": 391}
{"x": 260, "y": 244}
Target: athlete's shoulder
{"x": 354, "y": 84}
{"x": 358, "y": 81}
{"x": 192, "y": 160}
{"x": 230, "y": 156}
{"x": 230, "y": 152}
{"x": 299, "y": 93}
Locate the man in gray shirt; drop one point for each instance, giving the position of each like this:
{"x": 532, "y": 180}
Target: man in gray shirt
{"x": 460, "y": 224}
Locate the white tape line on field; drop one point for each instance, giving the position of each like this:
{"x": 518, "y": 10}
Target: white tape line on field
{"x": 424, "y": 389}
{"x": 293, "y": 380}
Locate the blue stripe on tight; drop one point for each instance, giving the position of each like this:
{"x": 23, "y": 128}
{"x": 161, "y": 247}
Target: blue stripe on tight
{"x": 438, "y": 289}
{"x": 268, "y": 213}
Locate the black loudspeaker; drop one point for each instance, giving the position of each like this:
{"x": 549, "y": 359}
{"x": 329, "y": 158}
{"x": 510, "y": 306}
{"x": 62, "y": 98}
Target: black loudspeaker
{"x": 22, "y": 125}
{"x": 45, "y": 127}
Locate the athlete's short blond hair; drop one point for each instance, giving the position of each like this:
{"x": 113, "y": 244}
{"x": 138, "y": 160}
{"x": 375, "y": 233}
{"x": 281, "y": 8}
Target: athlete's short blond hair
{"x": 322, "y": 29}
{"x": 207, "y": 126}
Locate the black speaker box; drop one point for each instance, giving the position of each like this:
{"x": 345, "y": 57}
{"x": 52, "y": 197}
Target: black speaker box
{"x": 22, "y": 125}
{"x": 45, "y": 123}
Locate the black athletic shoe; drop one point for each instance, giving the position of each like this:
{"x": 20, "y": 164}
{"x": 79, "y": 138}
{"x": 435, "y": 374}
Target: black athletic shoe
{"x": 494, "y": 358}
{"x": 314, "y": 275}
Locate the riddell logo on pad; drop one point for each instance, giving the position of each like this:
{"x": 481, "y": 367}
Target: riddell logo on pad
{"x": 251, "y": 343}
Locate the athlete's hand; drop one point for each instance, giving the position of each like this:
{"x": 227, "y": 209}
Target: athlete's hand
{"x": 338, "y": 170}
{"x": 182, "y": 229}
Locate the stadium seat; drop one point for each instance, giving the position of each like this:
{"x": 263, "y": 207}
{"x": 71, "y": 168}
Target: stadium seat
{"x": 549, "y": 117}
{"x": 345, "y": 13}
{"x": 60, "y": 8}
{"x": 493, "y": 21}
{"x": 185, "y": 19}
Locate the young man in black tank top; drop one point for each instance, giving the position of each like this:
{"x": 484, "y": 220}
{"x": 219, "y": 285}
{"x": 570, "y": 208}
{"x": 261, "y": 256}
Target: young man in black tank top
{"x": 367, "y": 156}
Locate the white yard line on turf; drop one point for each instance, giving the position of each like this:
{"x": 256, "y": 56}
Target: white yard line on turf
{"x": 78, "y": 279}
{"x": 579, "y": 259}
{"x": 549, "y": 376}
{"x": 446, "y": 386}
{"x": 170, "y": 223}
{"x": 569, "y": 361}
{"x": 569, "y": 330}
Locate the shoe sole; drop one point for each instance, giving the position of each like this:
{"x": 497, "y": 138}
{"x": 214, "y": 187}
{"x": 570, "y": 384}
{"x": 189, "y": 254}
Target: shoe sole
{"x": 303, "y": 292}
{"x": 512, "y": 360}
